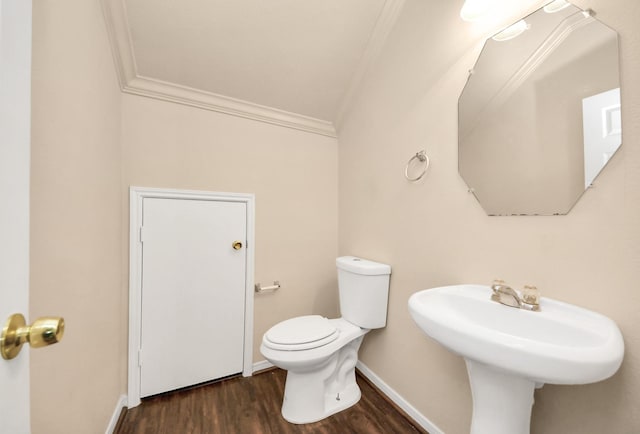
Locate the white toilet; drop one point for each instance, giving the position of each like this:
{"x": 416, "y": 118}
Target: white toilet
{"x": 320, "y": 354}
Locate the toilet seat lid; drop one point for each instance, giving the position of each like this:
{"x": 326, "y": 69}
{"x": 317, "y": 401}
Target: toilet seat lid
{"x": 301, "y": 333}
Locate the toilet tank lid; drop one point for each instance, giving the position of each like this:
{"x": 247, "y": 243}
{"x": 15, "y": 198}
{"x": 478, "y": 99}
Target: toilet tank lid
{"x": 362, "y": 266}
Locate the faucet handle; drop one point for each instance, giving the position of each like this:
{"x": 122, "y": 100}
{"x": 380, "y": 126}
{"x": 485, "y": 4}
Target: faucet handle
{"x": 497, "y": 283}
{"x": 531, "y": 296}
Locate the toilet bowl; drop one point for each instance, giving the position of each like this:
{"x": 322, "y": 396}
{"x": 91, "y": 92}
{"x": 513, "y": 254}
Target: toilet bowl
{"x": 321, "y": 375}
{"x": 320, "y": 354}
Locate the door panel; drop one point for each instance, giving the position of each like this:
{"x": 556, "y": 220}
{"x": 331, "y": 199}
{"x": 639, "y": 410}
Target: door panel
{"x": 602, "y": 128}
{"x": 193, "y": 292}
{"x": 15, "y": 115}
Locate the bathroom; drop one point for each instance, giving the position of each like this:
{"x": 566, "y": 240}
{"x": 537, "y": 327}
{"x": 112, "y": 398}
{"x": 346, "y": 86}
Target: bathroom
{"x": 318, "y": 197}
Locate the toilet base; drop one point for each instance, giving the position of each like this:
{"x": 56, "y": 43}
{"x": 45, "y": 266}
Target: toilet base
{"x": 332, "y": 404}
{"x": 313, "y": 396}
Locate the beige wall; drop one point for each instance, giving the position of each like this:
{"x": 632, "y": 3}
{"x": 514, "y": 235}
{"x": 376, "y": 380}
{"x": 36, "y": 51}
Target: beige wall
{"x": 293, "y": 175}
{"x": 90, "y": 143}
{"x": 75, "y": 218}
{"x": 435, "y": 233}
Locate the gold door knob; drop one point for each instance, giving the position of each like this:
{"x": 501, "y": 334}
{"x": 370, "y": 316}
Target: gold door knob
{"x": 237, "y": 245}
{"x": 44, "y": 331}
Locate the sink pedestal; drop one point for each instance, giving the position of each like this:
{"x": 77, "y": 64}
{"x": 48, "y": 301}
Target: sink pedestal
{"x": 562, "y": 344}
{"x": 501, "y": 401}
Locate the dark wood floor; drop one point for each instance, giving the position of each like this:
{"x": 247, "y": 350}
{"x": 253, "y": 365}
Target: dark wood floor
{"x": 252, "y": 406}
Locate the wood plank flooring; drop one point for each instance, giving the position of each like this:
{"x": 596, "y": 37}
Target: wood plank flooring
{"x": 252, "y": 406}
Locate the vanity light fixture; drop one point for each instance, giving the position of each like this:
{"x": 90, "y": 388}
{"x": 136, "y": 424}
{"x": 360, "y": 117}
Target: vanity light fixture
{"x": 475, "y": 10}
{"x": 512, "y": 31}
{"x": 556, "y": 6}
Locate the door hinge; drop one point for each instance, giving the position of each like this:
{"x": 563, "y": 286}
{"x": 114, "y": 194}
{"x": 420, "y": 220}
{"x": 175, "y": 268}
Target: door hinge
{"x": 140, "y": 357}
{"x": 141, "y": 234}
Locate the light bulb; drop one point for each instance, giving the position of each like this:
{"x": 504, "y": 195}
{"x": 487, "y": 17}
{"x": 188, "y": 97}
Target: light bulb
{"x": 474, "y": 10}
{"x": 556, "y": 6}
{"x": 511, "y": 31}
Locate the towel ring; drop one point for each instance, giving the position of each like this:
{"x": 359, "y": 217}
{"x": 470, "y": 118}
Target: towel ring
{"x": 423, "y": 158}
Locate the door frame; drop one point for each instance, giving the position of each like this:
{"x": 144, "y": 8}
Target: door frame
{"x": 15, "y": 156}
{"x": 136, "y": 197}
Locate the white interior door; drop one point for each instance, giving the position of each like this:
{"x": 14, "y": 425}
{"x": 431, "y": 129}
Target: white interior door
{"x": 602, "y": 125}
{"x": 15, "y": 115}
{"x": 193, "y": 292}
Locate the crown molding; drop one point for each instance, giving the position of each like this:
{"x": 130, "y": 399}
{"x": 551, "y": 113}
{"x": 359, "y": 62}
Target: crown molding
{"x": 384, "y": 24}
{"x": 115, "y": 17}
{"x": 131, "y": 82}
{"x": 548, "y": 47}
{"x": 162, "y": 90}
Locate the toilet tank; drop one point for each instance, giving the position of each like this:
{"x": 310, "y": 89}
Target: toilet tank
{"x": 364, "y": 291}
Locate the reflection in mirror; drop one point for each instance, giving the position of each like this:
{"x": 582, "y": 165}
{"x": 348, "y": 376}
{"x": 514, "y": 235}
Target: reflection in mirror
{"x": 540, "y": 114}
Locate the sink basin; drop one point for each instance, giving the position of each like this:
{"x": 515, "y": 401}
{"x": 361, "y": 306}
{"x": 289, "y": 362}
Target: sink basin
{"x": 561, "y": 344}
{"x": 511, "y": 351}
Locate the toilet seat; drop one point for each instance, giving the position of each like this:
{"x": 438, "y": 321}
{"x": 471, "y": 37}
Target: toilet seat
{"x": 301, "y": 333}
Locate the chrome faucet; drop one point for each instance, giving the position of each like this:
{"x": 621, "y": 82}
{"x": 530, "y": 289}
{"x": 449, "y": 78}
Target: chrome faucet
{"x": 504, "y": 294}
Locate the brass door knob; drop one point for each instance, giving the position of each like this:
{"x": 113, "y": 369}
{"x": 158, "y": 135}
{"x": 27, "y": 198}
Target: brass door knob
{"x": 237, "y": 245}
{"x": 44, "y": 331}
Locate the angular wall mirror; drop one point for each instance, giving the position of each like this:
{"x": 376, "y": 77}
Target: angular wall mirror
{"x": 540, "y": 114}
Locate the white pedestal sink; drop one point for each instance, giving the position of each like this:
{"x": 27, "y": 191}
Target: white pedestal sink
{"x": 509, "y": 351}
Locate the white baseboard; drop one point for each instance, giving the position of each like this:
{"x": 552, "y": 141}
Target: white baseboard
{"x": 263, "y": 364}
{"x": 394, "y": 396}
{"x": 122, "y": 403}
